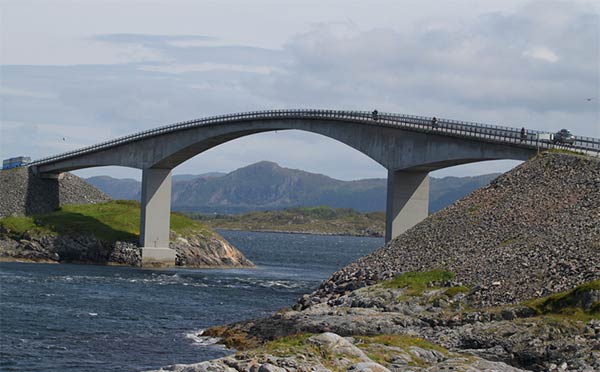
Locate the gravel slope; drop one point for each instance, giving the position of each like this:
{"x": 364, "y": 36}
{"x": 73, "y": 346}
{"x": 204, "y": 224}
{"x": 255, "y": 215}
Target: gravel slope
{"x": 533, "y": 231}
{"x": 24, "y": 194}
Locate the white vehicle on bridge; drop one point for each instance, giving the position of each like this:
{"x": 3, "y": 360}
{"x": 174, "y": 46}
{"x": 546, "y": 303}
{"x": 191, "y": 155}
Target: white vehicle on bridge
{"x": 563, "y": 136}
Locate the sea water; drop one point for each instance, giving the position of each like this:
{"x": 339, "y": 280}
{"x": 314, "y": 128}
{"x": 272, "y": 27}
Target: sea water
{"x": 103, "y": 318}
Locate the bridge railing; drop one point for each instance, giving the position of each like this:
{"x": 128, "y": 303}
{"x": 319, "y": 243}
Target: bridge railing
{"x": 457, "y": 128}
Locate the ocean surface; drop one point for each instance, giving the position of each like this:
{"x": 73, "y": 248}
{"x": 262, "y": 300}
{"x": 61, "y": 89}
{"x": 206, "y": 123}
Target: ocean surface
{"x": 101, "y": 318}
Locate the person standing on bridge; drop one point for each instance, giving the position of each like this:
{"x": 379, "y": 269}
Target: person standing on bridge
{"x": 375, "y": 115}
{"x": 434, "y": 122}
{"x": 523, "y": 134}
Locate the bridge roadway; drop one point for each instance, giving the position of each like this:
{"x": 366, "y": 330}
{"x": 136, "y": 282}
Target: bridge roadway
{"x": 408, "y": 146}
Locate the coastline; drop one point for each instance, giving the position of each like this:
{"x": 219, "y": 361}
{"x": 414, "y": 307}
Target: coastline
{"x": 300, "y": 232}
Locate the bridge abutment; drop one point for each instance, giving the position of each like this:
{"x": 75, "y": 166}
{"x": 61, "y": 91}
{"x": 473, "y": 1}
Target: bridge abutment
{"x": 155, "y": 218}
{"x": 407, "y": 201}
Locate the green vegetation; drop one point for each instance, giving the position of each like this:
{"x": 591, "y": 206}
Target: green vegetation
{"x": 453, "y": 291}
{"x": 379, "y": 348}
{"x": 565, "y": 151}
{"x": 17, "y": 226}
{"x": 415, "y": 282}
{"x": 316, "y": 220}
{"x": 110, "y": 221}
{"x": 373, "y": 347}
{"x": 508, "y": 241}
{"x": 291, "y": 345}
{"x": 401, "y": 341}
{"x": 474, "y": 208}
{"x": 573, "y": 303}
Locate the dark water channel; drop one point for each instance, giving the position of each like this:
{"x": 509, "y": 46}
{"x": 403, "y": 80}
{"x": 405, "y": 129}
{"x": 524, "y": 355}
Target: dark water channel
{"x": 100, "y": 318}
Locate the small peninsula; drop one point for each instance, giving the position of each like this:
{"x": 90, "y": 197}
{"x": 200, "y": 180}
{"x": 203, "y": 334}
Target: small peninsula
{"x": 307, "y": 220}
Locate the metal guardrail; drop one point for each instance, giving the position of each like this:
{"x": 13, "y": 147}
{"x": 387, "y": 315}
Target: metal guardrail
{"x": 447, "y": 127}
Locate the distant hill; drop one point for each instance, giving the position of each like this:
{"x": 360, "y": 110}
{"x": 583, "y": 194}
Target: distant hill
{"x": 306, "y": 220}
{"x": 267, "y": 186}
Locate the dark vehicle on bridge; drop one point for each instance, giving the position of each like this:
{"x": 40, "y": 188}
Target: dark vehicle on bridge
{"x": 15, "y": 162}
{"x": 563, "y": 136}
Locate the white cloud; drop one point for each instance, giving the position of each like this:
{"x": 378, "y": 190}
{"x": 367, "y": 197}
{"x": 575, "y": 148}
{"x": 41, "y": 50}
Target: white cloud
{"x": 6, "y": 91}
{"x": 204, "y": 67}
{"x": 542, "y": 53}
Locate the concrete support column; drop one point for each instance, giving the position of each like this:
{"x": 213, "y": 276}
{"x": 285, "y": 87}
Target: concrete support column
{"x": 156, "y": 217}
{"x": 407, "y": 201}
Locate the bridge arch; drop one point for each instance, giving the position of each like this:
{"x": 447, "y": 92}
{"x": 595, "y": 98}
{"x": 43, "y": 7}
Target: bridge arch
{"x": 408, "y": 146}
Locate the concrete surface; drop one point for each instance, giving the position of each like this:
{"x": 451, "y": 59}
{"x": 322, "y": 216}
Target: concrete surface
{"x": 407, "y": 201}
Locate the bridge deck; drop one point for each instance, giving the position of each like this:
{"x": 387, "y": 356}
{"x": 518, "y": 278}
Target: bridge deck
{"x": 446, "y": 127}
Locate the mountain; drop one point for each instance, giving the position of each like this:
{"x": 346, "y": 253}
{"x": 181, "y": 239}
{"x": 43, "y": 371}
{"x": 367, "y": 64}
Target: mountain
{"x": 189, "y": 177}
{"x": 267, "y": 186}
{"x": 117, "y": 188}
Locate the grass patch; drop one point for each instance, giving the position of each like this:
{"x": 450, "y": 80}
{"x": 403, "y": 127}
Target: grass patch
{"x": 453, "y": 291}
{"x": 573, "y": 303}
{"x": 372, "y": 346}
{"x": 298, "y": 345}
{"x": 474, "y": 208}
{"x": 508, "y": 241}
{"x": 564, "y": 151}
{"x": 289, "y": 345}
{"x": 16, "y": 227}
{"x": 401, "y": 341}
{"x": 110, "y": 221}
{"x": 415, "y": 282}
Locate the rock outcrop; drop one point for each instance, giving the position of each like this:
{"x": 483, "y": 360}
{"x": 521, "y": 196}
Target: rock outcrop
{"x": 197, "y": 250}
{"x": 432, "y": 331}
{"x": 327, "y": 352}
{"x": 533, "y": 231}
{"x": 25, "y": 194}
{"x": 193, "y": 250}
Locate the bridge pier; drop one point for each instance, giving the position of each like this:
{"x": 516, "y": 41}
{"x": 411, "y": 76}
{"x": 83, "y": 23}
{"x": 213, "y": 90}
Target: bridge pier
{"x": 155, "y": 218}
{"x": 407, "y": 201}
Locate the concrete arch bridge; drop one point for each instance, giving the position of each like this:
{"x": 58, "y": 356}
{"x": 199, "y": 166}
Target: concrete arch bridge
{"x": 409, "y": 147}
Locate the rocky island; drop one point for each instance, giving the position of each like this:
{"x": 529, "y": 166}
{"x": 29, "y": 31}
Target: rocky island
{"x": 507, "y": 279}
{"x": 71, "y": 221}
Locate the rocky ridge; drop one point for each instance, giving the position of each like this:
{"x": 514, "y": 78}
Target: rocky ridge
{"x": 533, "y": 231}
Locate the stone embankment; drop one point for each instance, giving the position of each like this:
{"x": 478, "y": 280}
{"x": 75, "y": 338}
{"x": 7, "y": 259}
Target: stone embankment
{"x": 533, "y": 231}
{"x": 24, "y": 194}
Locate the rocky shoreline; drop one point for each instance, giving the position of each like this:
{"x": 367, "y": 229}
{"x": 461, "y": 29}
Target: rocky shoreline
{"x": 397, "y": 329}
{"x": 193, "y": 251}
{"x": 366, "y": 235}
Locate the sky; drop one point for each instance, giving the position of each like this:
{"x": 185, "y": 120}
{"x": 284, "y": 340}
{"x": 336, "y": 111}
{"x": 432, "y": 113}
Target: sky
{"x": 74, "y": 73}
